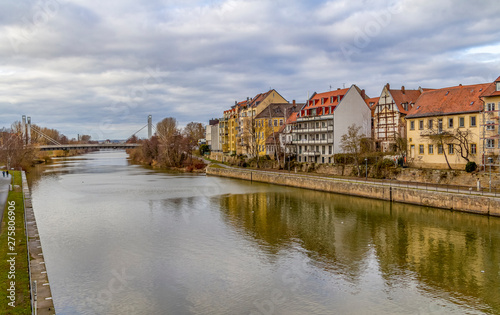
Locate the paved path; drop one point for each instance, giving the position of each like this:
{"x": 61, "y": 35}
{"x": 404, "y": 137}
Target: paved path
{"x": 4, "y": 192}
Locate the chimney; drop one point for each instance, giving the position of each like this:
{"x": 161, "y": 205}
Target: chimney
{"x": 235, "y": 102}
{"x": 363, "y": 94}
{"x": 293, "y": 102}
{"x": 338, "y": 89}
{"x": 388, "y": 86}
{"x": 403, "y": 89}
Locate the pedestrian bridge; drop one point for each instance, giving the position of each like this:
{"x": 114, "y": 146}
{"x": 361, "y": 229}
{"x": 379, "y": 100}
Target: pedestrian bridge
{"x": 53, "y": 147}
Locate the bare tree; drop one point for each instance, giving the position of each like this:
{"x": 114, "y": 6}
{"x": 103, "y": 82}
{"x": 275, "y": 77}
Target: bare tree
{"x": 351, "y": 143}
{"x": 194, "y": 131}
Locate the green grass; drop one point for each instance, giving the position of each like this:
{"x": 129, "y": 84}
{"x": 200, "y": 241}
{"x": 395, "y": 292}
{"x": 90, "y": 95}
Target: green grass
{"x": 22, "y": 303}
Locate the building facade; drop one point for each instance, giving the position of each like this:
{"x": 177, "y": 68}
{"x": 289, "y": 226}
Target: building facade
{"x": 443, "y": 128}
{"x": 490, "y": 128}
{"x": 389, "y": 123}
{"x": 325, "y": 118}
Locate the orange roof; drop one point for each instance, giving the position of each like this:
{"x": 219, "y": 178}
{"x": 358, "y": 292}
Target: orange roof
{"x": 449, "y": 101}
{"x": 292, "y": 118}
{"x": 372, "y": 102}
{"x": 405, "y": 96}
{"x": 492, "y": 89}
{"x": 331, "y": 98}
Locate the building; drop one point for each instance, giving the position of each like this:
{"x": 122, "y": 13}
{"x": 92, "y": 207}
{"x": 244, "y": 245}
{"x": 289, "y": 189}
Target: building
{"x": 490, "y": 131}
{"x": 250, "y": 110}
{"x": 212, "y": 135}
{"x": 268, "y": 123}
{"x": 325, "y": 118}
{"x": 443, "y": 127}
{"x": 389, "y": 123}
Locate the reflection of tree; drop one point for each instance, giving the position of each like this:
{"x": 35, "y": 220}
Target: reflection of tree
{"x": 454, "y": 254}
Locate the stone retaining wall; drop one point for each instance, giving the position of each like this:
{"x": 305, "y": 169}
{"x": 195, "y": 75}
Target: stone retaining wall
{"x": 445, "y": 200}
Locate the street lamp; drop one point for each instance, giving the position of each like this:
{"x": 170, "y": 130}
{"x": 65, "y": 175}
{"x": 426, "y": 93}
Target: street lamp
{"x": 490, "y": 159}
{"x": 366, "y": 168}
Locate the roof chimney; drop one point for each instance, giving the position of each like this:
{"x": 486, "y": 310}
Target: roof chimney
{"x": 338, "y": 89}
{"x": 293, "y": 102}
{"x": 388, "y": 86}
{"x": 403, "y": 89}
{"x": 235, "y": 102}
{"x": 363, "y": 95}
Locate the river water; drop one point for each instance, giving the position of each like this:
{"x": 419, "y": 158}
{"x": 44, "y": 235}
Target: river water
{"x": 122, "y": 239}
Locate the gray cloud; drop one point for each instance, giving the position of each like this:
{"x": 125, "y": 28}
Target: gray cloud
{"x": 101, "y": 67}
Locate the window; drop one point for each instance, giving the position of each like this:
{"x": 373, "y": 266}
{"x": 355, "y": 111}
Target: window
{"x": 450, "y": 148}
{"x": 323, "y": 150}
{"x": 461, "y": 122}
{"x": 281, "y": 122}
{"x": 421, "y": 125}
{"x": 490, "y": 143}
{"x": 323, "y": 136}
{"x": 440, "y": 149}
{"x": 498, "y": 86}
{"x": 430, "y": 148}
{"x": 420, "y": 149}
{"x": 269, "y": 123}
{"x": 412, "y": 125}
{"x": 490, "y": 125}
{"x": 473, "y": 121}
{"x": 330, "y": 150}
{"x": 450, "y": 122}
{"x": 440, "y": 125}
{"x": 473, "y": 148}
{"x": 411, "y": 139}
{"x": 275, "y": 123}
{"x": 490, "y": 107}
{"x": 430, "y": 122}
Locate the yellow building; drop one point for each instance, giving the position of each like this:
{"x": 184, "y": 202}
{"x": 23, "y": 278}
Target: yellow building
{"x": 443, "y": 127}
{"x": 490, "y": 130}
{"x": 249, "y": 111}
{"x": 269, "y": 122}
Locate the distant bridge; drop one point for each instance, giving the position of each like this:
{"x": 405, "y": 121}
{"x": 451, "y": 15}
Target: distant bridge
{"x": 27, "y": 128}
{"x": 53, "y": 147}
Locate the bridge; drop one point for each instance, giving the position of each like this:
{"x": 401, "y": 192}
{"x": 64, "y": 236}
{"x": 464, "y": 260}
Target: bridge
{"x": 88, "y": 146}
{"x": 27, "y": 128}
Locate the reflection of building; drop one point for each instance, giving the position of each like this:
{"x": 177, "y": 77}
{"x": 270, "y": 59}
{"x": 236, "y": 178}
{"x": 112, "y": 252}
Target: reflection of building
{"x": 325, "y": 118}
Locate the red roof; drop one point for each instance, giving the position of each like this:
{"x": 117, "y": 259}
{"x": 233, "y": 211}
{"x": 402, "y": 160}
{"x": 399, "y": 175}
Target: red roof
{"x": 492, "y": 89}
{"x": 448, "y": 101}
{"x": 405, "y": 96}
{"x": 292, "y": 118}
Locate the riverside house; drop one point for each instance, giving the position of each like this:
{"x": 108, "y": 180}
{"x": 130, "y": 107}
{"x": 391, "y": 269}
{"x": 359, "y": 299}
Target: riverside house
{"x": 389, "y": 123}
{"x": 490, "y": 131}
{"x": 325, "y": 118}
{"x": 443, "y": 127}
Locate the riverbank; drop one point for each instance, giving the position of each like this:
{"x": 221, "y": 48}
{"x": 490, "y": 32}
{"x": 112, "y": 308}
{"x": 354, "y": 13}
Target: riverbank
{"x": 42, "y": 299}
{"x": 459, "y": 200}
{"x": 14, "y": 274}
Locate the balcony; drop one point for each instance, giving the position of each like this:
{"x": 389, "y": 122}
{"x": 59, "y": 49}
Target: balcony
{"x": 313, "y": 130}
{"x": 311, "y": 153}
{"x": 311, "y": 141}
{"x": 314, "y": 118}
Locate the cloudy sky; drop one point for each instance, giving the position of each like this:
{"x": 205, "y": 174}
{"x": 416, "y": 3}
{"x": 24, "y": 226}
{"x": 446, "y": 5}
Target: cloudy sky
{"x": 100, "y": 67}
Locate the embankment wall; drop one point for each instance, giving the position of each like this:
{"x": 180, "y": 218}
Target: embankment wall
{"x": 439, "y": 199}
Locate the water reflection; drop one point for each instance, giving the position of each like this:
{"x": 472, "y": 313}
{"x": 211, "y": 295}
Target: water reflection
{"x": 193, "y": 244}
{"x": 453, "y": 255}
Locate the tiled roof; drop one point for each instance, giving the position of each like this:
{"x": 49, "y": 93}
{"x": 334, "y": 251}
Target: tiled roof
{"x": 448, "y": 101}
{"x": 405, "y": 96}
{"x": 491, "y": 90}
{"x": 315, "y": 100}
{"x": 373, "y": 101}
{"x": 277, "y": 110}
{"x": 292, "y": 118}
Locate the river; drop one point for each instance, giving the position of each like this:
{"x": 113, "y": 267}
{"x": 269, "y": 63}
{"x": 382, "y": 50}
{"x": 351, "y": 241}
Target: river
{"x": 123, "y": 239}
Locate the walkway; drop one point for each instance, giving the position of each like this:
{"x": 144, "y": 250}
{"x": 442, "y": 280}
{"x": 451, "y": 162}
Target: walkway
{"x": 4, "y": 193}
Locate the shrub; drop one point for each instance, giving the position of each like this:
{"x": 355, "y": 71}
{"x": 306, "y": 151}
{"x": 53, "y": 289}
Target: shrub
{"x": 470, "y": 167}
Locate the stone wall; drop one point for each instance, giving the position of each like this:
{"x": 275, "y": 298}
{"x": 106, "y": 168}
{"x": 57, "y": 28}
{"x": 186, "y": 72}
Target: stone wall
{"x": 445, "y": 200}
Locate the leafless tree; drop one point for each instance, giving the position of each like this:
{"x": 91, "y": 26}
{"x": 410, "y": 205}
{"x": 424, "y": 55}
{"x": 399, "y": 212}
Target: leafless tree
{"x": 351, "y": 143}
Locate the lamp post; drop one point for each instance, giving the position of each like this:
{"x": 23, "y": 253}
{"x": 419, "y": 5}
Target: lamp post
{"x": 491, "y": 161}
{"x": 366, "y": 168}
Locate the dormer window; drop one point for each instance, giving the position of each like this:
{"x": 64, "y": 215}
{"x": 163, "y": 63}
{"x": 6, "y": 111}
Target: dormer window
{"x": 498, "y": 85}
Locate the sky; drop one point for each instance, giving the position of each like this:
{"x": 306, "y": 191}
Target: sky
{"x": 101, "y": 67}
